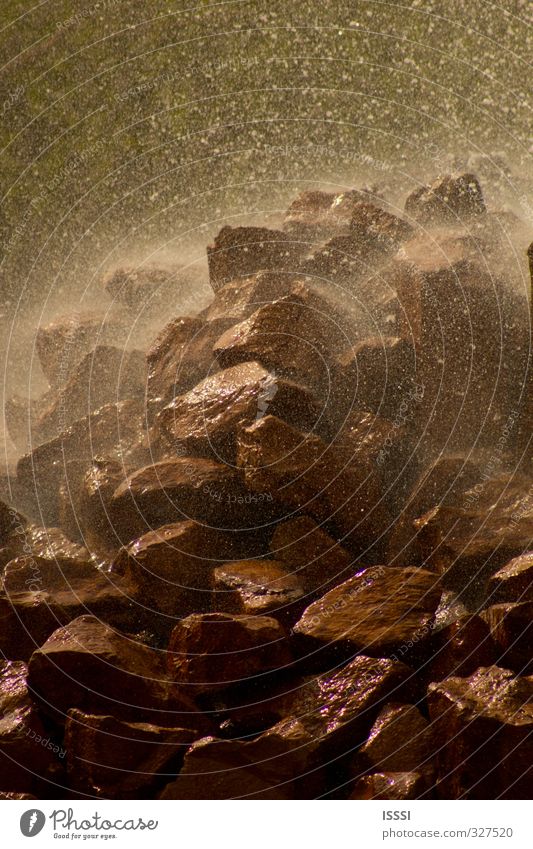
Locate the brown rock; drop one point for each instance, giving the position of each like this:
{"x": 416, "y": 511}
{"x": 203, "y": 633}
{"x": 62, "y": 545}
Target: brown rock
{"x": 311, "y": 215}
{"x": 102, "y": 530}
{"x": 313, "y": 557}
{"x": 237, "y": 300}
{"x": 185, "y": 488}
{"x": 212, "y": 651}
{"x": 35, "y": 541}
{"x": 39, "y": 594}
{"x": 511, "y": 628}
{"x": 513, "y": 582}
{"x": 104, "y": 375}
{"x": 112, "y": 759}
{"x": 486, "y": 722}
{"x": 379, "y": 372}
{"x": 400, "y": 740}
{"x": 462, "y": 647}
{"x": 450, "y": 199}
{"x": 208, "y": 419}
{"x": 305, "y": 474}
{"x": 393, "y": 786}
{"x": 89, "y": 666}
{"x": 241, "y": 251}
{"x": 25, "y": 753}
{"x": 379, "y": 610}
{"x": 258, "y": 586}
{"x": 171, "y": 569}
{"x": 11, "y": 521}
{"x": 148, "y": 290}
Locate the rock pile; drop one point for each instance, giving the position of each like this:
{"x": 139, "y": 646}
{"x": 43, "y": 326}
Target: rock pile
{"x": 285, "y": 552}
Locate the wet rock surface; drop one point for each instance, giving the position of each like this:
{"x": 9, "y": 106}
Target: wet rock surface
{"x": 280, "y": 548}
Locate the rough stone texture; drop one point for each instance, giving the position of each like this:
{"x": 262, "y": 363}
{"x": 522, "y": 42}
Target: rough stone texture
{"x": 147, "y": 290}
{"x": 35, "y": 541}
{"x": 513, "y": 582}
{"x": 208, "y": 419}
{"x": 89, "y": 666}
{"x": 468, "y": 543}
{"x": 401, "y": 740}
{"x": 11, "y": 521}
{"x": 308, "y": 475}
{"x": 511, "y": 628}
{"x": 237, "y": 300}
{"x": 314, "y": 557}
{"x": 258, "y": 587}
{"x": 212, "y": 651}
{"x": 24, "y": 760}
{"x": 185, "y": 488}
{"x": 104, "y": 375}
{"x": 241, "y": 251}
{"x": 170, "y": 569}
{"x": 391, "y": 786}
{"x": 486, "y": 722}
{"x": 379, "y": 610}
{"x": 461, "y": 647}
{"x": 100, "y": 527}
{"x": 450, "y": 199}
{"x": 39, "y": 594}
{"x": 113, "y": 759}
{"x": 379, "y": 370}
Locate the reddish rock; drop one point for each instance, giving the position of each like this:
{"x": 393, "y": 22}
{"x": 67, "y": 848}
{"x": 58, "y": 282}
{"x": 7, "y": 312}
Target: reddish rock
{"x": 185, "y": 488}
{"x": 35, "y": 541}
{"x": 212, "y": 651}
{"x": 89, "y": 666}
{"x": 104, "y": 375}
{"x": 401, "y": 740}
{"x": 100, "y": 527}
{"x": 208, "y": 419}
{"x": 258, "y": 586}
{"x": 112, "y": 759}
{"x": 241, "y": 251}
{"x": 312, "y": 215}
{"x": 305, "y": 474}
{"x": 392, "y": 786}
{"x": 171, "y": 569}
{"x": 485, "y": 722}
{"x": 379, "y": 372}
{"x": 11, "y": 521}
{"x": 511, "y": 628}
{"x": 237, "y": 300}
{"x": 26, "y": 750}
{"x": 147, "y": 289}
{"x": 513, "y": 582}
{"x": 39, "y": 594}
{"x": 379, "y": 610}
{"x": 313, "y": 557}
{"x": 461, "y": 647}
{"x": 450, "y": 199}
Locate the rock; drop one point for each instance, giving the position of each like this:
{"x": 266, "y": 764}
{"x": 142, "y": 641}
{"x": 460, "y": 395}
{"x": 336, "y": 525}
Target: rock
{"x": 35, "y": 541}
{"x": 485, "y": 722}
{"x": 379, "y": 610}
{"x": 237, "y": 300}
{"x": 513, "y": 582}
{"x": 241, "y": 251}
{"x": 401, "y": 740}
{"x": 101, "y": 529}
{"x": 313, "y": 557}
{"x": 112, "y": 759}
{"x": 41, "y": 593}
{"x": 468, "y": 543}
{"x": 258, "y": 587}
{"x": 104, "y": 375}
{"x": 185, "y": 488}
{"x": 22, "y": 414}
{"x": 392, "y": 786}
{"x": 379, "y": 372}
{"x": 290, "y": 337}
{"x": 450, "y": 199}
{"x": 11, "y": 521}
{"x": 148, "y": 290}
{"x": 273, "y": 766}
{"x": 14, "y": 796}
{"x": 62, "y": 344}
{"x": 461, "y": 647}
{"x": 212, "y": 651}
{"x": 114, "y": 431}
{"x": 312, "y": 215}
{"x": 511, "y": 628}
{"x": 171, "y": 569}
{"x": 305, "y": 474}
{"x": 182, "y": 356}
{"x": 89, "y": 666}
{"x": 26, "y": 750}
{"x": 208, "y": 419}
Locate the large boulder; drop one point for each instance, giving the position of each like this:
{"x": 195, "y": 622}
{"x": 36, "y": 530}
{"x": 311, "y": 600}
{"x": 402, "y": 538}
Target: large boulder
{"x": 207, "y": 420}
{"x": 513, "y": 582}
{"x": 511, "y": 629}
{"x": 213, "y": 651}
{"x": 401, "y": 740}
{"x": 241, "y": 251}
{"x": 485, "y": 723}
{"x": 312, "y": 555}
{"x": 258, "y": 587}
{"x": 451, "y": 199}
